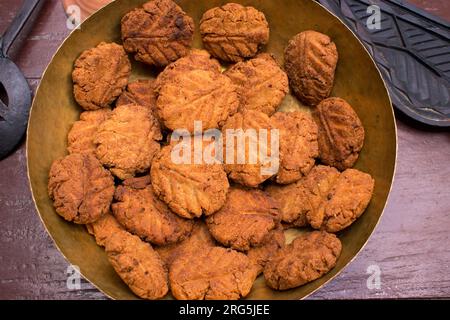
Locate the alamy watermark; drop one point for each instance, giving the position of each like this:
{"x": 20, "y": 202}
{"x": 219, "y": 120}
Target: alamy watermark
{"x": 73, "y": 281}
{"x": 232, "y": 146}
{"x": 73, "y": 17}
{"x": 373, "y": 22}
{"x": 374, "y": 280}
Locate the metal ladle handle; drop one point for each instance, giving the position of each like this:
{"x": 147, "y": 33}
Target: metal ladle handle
{"x": 18, "y": 24}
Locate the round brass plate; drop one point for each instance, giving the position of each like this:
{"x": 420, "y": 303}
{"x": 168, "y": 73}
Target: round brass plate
{"x": 357, "y": 80}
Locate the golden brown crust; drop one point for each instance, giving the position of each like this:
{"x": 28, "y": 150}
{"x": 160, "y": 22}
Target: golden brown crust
{"x": 128, "y": 140}
{"x": 325, "y": 199}
{"x": 140, "y": 92}
{"x": 103, "y": 228}
{"x": 212, "y": 274}
{"x": 310, "y": 62}
{"x": 100, "y": 75}
{"x": 190, "y": 190}
{"x": 341, "y": 133}
{"x": 197, "y": 59}
{"x": 234, "y": 32}
{"x": 292, "y": 201}
{"x": 248, "y": 174}
{"x": 273, "y": 242}
{"x": 317, "y": 186}
{"x": 140, "y": 211}
{"x": 298, "y": 145}
{"x": 307, "y": 258}
{"x": 196, "y": 95}
{"x": 200, "y": 239}
{"x": 158, "y": 33}
{"x": 245, "y": 220}
{"x": 81, "y": 135}
{"x": 81, "y": 189}
{"x": 345, "y": 201}
{"x": 135, "y": 261}
{"x": 262, "y": 84}
{"x": 315, "y": 190}
{"x": 138, "y": 265}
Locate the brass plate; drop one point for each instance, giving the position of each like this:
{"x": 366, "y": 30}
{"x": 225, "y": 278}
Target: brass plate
{"x": 357, "y": 80}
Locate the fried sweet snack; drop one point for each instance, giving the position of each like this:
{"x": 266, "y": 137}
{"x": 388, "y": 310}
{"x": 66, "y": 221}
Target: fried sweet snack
{"x": 138, "y": 265}
{"x": 341, "y": 133}
{"x": 200, "y": 239}
{"x": 307, "y": 258}
{"x": 100, "y": 75}
{"x": 103, "y": 228}
{"x": 141, "y": 213}
{"x": 310, "y": 62}
{"x": 81, "y": 189}
{"x": 81, "y": 135}
{"x": 317, "y": 185}
{"x": 273, "y": 242}
{"x": 196, "y": 95}
{"x": 304, "y": 200}
{"x": 262, "y": 84}
{"x": 292, "y": 201}
{"x": 254, "y": 169}
{"x": 190, "y": 189}
{"x": 212, "y": 274}
{"x": 140, "y": 92}
{"x": 298, "y": 145}
{"x": 344, "y": 202}
{"x": 135, "y": 261}
{"x": 158, "y": 33}
{"x": 128, "y": 140}
{"x": 245, "y": 220}
{"x": 233, "y": 32}
{"x": 325, "y": 199}
{"x": 196, "y": 60}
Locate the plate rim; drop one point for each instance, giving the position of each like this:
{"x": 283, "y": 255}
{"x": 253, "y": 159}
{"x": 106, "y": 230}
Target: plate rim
{"x": 92, "y": 16}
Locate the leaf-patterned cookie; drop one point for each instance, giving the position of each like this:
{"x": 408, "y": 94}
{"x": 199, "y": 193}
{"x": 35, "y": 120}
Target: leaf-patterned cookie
{"x": 196, "y": 95}
{"x": 138, "y": 265}
{"x": 197, "y": 59}
{"x": 234, "y": 32}
{"x": 134, "y": 260}
{"x": 81, "y": 189}
{"x": 212, "y": 274}
{"x": 127, "y": 142}
{"x": 345, "y": 201}
{"x": 261, "y": 83}
{"x": 140, "y": 211}
{"x": 81, "y": 135}
{"x": 254, "y": 168}
{"x": 158, "y": 33}
{"x": 189, "y": 189}
{"x": 310, "y": 62}
{"x": 341, "y": 133}
{"x": 298, "y": 145}
{"x": 100, "y": 75}
{"x": 307, "y": 258}
{"x": 304, "y": 198}
{"x": 245, "y": 220}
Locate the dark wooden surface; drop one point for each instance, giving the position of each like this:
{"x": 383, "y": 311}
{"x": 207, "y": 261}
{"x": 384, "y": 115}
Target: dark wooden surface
{"x": 411, "y": 245}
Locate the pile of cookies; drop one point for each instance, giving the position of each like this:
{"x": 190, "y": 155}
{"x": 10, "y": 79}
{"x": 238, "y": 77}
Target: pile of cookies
{"x": 206, "y": 230}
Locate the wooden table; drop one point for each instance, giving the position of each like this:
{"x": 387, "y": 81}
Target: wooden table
{"x": 411, "y": 245}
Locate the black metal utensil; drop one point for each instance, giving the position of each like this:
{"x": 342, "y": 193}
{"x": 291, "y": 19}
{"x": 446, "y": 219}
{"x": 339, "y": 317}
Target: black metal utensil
{"x": 412, "y": 50}
{"x": 15, "y": 93}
